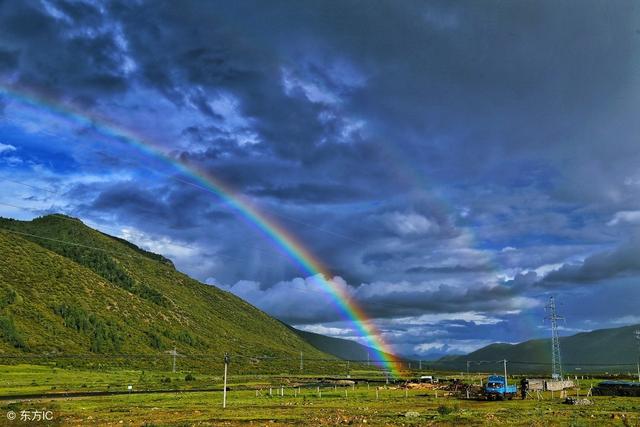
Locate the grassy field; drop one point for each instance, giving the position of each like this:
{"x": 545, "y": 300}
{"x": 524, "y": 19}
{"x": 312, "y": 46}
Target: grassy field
{"x": 249, "y": 402}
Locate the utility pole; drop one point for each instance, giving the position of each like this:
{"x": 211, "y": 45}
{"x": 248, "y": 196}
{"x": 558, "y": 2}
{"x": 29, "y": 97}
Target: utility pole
{"x": 553, "y": 317}
{"x": 348, "y": 369}
{"x": 175, "y": 353}
{"x": 420, "y": 365}
{"x": 468, "y": 363}
{"x": 301, "y": 362}
{"x": 637, "y": 333}
{"x": 224, "y": 390}
{"x": 368, "y": 358}
{"x": 505, "y": 374}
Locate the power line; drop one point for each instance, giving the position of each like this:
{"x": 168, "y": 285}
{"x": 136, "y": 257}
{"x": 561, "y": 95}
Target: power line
{"x": 261, "y": 209}
{"x": 209, "y": 191}
{"x": 554, "y": 364}
{"x": 65, "y": 216}
{"x": 69, "y": 243}
{"x": 17, "y": 207}
{"x": 302, "y": 288}
{"x": 202, "y": 188}
{"x": 34, "y": 187}
{"x": 292, "y": 358}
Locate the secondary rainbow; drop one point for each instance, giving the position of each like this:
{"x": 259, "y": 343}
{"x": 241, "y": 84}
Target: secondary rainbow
{"x": 269, "y": 227}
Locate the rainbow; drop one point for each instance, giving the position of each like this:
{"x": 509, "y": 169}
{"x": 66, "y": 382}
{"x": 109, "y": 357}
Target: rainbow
{"x": 274, "y": 231}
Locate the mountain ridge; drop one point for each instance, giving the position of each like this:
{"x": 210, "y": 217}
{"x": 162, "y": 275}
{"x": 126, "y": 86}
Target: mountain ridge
{"x": 608, "y": 348}
{"x": 340, "y": 347}
{"x": 67, "y": 288}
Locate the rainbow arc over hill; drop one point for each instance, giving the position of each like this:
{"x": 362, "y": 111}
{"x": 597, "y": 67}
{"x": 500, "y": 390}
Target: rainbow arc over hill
{"x": 274, "y": 231}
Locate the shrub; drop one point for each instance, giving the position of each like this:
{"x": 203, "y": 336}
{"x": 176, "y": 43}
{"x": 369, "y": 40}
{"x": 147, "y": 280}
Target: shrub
{"x": 444, "y": 410}
{"x": 10, "y": 296}
{"x": 189, "y": 377}
{"x": 104, "y": 335}
{"x": 155, "y": 341}
{"x": 10, "y": 334}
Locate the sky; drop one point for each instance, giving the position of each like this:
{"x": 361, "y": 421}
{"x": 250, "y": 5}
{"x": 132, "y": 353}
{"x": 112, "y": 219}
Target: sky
{"x": 452, "y": 164}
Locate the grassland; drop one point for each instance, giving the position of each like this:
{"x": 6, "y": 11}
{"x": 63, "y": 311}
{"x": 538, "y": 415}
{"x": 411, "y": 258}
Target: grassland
{"x": 250, "y": 403}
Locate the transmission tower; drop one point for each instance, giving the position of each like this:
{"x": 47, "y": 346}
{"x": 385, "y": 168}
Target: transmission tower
{"x": 637, "y": 334}
{"x": 553, "y": 317}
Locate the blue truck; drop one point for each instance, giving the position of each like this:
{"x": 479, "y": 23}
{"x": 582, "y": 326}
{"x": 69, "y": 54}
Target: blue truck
{"x": 496, "y": 389}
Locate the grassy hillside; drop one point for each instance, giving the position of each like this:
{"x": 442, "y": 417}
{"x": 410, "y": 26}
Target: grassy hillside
{"x": 104, "y": 296}
{"x": 603, "y": 349}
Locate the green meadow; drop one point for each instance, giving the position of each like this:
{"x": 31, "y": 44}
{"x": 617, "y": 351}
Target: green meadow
{"x": 257, "y": 400}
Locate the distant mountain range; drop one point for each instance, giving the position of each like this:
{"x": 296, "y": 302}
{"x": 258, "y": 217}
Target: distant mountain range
{"x": 613, "y": 349}
{"x": 339, "y": 347}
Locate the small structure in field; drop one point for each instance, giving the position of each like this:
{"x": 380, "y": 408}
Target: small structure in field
{"x": 541, "y": 384}
{"x": 428, "y": 379}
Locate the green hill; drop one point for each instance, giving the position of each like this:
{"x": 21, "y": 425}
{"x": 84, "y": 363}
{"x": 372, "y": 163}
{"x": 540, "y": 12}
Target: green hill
{"x": 613, "y": 350}
{"x": 72, "y": 292}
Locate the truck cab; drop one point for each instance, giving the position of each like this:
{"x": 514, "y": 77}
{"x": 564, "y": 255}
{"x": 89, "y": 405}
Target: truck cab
{"x": 496, "y": 389}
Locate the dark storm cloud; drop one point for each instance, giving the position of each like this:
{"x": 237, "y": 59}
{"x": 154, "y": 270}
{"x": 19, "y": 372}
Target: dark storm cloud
{"x": 454, "y": 269}
{"x": 620, "y": 262}
{"x": 429, "y": 148}
{"x": 151, "y": 209}
{"x": 70, "y": 51}
{"x": 443, "y": 299}
{"x": 507, "y": 56}
{"x": 8, "y": 60}
{"x": 311, "y": 193}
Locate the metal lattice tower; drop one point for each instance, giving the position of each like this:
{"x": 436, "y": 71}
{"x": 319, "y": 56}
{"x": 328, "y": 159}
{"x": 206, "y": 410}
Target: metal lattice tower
{"x": 556, "y": 360}
{"x": 637, "y": 334}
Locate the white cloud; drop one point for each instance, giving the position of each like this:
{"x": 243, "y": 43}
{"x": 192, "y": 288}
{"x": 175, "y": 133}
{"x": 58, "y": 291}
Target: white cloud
{"x": 160, "y": 245}
{"x": 12, "y": 160}
{"x": 543, "y": 270}
{"x": 186, "y": 258}
{"x": 426, "y": 347}
{"x": 409, "y": 223}
{"x": 6, "y": 148}
{"x": 625, "y": 217}
{"x": 299, "y": 299}
{"x": 312, "y": 90}
{"x": 435, "y": 318}
{"x": 627, "y": 320}
{"x": 451, "y": 346}
{"x": 327, "y": 330}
